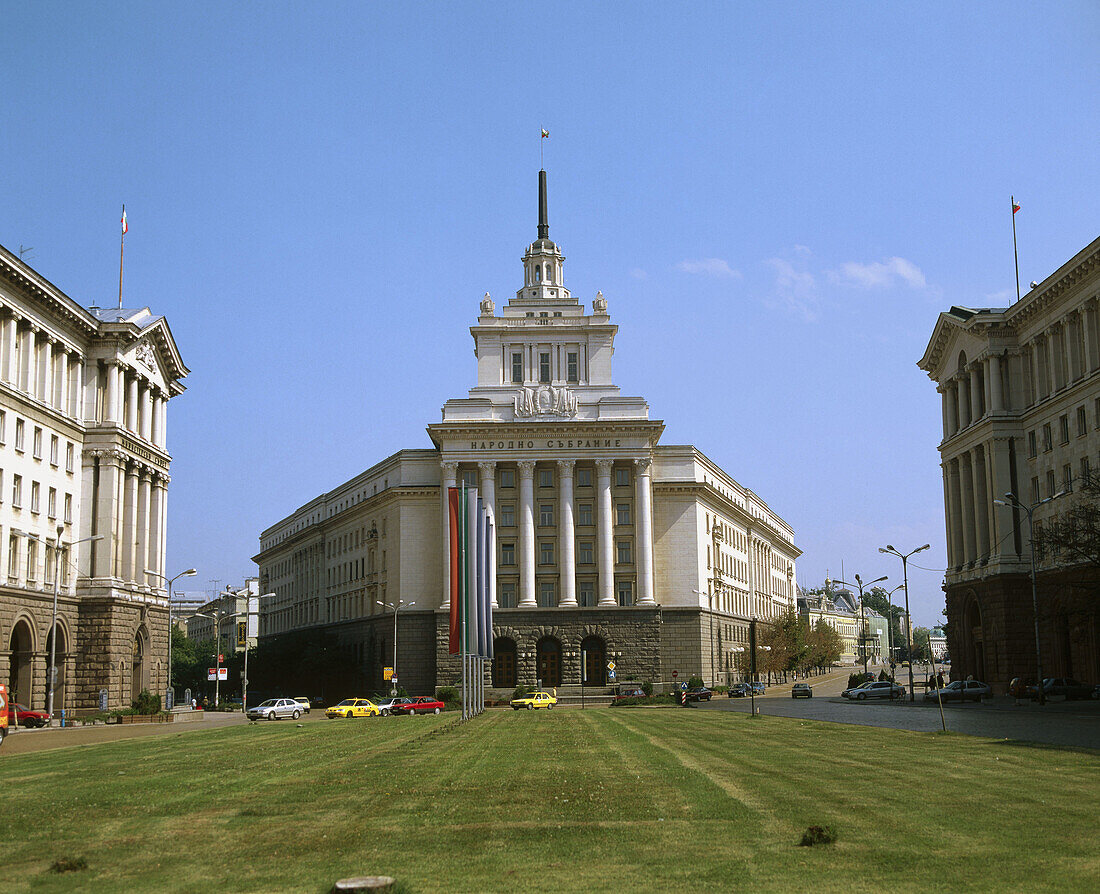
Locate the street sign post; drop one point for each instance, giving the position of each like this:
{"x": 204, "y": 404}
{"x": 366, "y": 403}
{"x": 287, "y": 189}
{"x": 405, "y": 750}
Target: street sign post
{"x": 387, "y": 673}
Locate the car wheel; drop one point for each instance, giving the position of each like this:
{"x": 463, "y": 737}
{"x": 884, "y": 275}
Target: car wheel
{"x": 296, "y": 714}
{"x": 861, "y": 696}
{"x": 272, "y": 716}
{"x": 515, "y": 707}
{"x": 530, "y": 707}
{"x": 437, "y": 710}
{"x": 549, "y": 707}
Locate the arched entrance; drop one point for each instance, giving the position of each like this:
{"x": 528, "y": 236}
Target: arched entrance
{"x": 548, "y": 655}
{"x": 504, "y": 663}
{"x": 975, "y": 638}
{"x": 595, "y": 661}
{"x": 137, "y": 666}
{"x": 60, "y": 654}
{"x": 21, "y": 666}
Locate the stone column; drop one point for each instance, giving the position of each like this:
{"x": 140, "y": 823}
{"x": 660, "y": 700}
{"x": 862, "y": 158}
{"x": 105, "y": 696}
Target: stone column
{"x": 131, "y": 405}
{"x": 489, "y": 498}
{"x": 943, "y": 410}
{"x": 153, "y": 556}
{"x": 996, "y": 389}
{"x": 566, "y": 538}
{"x": 154, "y": 422}
{"x": 45, "y": 385}
{"x": 966, "y": 473}
{"x": 605, "y": 532}
{"x": 142, "y": 529}
{"x": 952, "y": 398}
{"x": 947, "y": 497}
{"x": 975, "y": 393}
{"x": 955, "y": 519}
{"x": 107, "y": 512}
{"x": 448, "y": 478}
{"x": 129, "y": 523}
{"x": 163, "y": 444}
{"x": 114, "y": 386}
{"x": 26, "y": 359}
{"x": 1004, "y": 542}
{"x": 644, "y": 529}
{"x": 65, "y": 373}
{"x": 981, "y": 504}
{"x": 10, "y": 361}
{"x": 1087, "y": 315}
{"x": 162, "y": 539}
{"x": 527, "y": 534}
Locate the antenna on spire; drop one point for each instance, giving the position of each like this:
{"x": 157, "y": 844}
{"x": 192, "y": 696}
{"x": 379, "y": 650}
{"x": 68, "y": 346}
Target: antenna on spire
{"x": 544, "y": 226}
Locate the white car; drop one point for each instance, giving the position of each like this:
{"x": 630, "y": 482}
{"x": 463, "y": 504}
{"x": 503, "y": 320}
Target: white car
{"x": 274, "y": 708}
{"x": 874, "y": 689}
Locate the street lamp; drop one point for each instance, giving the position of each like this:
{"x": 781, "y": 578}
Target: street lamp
{"x": 53, "y": 618}
{"x": 1012, "y": 500}
{"x": 217, "y": 619}
{"x": 169, "y": 697}
{"x": 862, "y": 614}
{"x": 908, "y": 620}
{"x": 396, "y": 605}
{"x": 890, "y": 627}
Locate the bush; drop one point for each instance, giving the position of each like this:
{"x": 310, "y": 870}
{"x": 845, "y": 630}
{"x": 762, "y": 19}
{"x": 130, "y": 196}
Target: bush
{"x": 521, "y": 692}
{"x": 645, "y": 700}
{"x": 818, "y": 835}
{"x": 855, "y": 680}
{"x": 695, "y": 683}
{"x": 147, "y": 703}
{"x": 69, "y": 864}
{"x": 647, "y": 688}
{"x": 450, "y": 696}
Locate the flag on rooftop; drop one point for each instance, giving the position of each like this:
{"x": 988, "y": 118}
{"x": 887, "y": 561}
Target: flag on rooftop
{"x": 125, "y": 227}
{"x": 1015, "y": 207}
{"x": 545, "y": 133}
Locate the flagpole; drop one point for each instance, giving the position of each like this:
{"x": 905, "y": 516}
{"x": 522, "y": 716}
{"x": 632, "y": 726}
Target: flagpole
{"x": 1015, "y": 254}
{"x": 121, "y": 249}
{"x": 464, "y": 577}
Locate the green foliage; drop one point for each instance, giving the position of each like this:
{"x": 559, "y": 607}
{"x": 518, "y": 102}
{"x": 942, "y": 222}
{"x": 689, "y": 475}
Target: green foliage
{"x": 823, "y": 645}
{"x": 449, "y": 695}
{"x": 921, "y": 651}
{"x": 521, "y": 692}
{"x": 858, "y": 679}
{"x": 147, "y": 703}
{"x": 69, "y": 864}
{"x": 818, "y": 835}
{"x": 647, "y": 687}
{"x": 633, "y": 700}
{"x": 695, "y": 682}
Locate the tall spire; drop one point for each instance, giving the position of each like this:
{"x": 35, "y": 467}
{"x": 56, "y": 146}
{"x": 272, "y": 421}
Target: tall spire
{"x": 544, "y": 225}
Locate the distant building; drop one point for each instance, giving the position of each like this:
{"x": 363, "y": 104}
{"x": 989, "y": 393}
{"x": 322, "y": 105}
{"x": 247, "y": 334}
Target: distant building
{"x": 937, "y": 638}
{"x": 1021, "y": 415}
{"x": 233, "y": 614}
{"x": 186, "y": 604}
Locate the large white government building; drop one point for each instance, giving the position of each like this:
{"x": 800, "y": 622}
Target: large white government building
{"x": 84, "y": 480}
{"x": 608, "y": 544}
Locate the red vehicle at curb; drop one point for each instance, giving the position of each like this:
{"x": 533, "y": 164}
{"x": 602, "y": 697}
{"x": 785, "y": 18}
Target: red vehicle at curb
{"x": 25, "y": 716}
{"x": 424, "y": 704}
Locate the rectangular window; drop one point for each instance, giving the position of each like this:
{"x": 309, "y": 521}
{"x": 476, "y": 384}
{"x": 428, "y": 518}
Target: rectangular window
{"x": 584, "y": 514}
{"x": 507, "y": 554}
{"x": 623, "y": 552}
{"x": 1035, "y": 489}
{"x": 17, "y": 491}
{"x": 63, "y": 561}
{"x": 1084, "y": 471}
{"x": 546, "y": 478}
{"x": 1082, "y": 422}
{"x": 546, "y": 553}
{"x": 4, "y": 419}
{"x": 586, "y": 593}
{"x": 19, "y": 433}
{"x": 32, "y": 560}
{"x": 544, "y": 368}
{"x": 507, "y": 515}
{"x": 622, "y": 513}
{"x": 13, "y": 555}
{"x": 1050, "y": 483}
{"x": 37, "y": 443}
{"x": 507, "y": 597}
{"x": 1032, "y": 444}
{"x": 1095, "y": 412}
{"x": 1067, "y": 478}
{"x": 69, "y": 456}
{"x": 546, "y": 595}
{"x": 622, "y": 477}
{"x": 546, "y": 514}
{"x": 1063, "y": 427}
{"x": 626, "y": 592}
{"x": 1048, "y": 441}
{"x": 571, "y": 366}
{"x": 51, "y": 503}
{"x": 517, "y": 368}
{"x": 507, "y": 477}
{"x": 585, "y": 554}
{"x": 469, "y": 479}
{"x": 584, "y": 477}
{"x": 49, "y": 562}
{"x": 54, "y": 449}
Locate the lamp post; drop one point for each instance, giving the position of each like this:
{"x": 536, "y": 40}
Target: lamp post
{"x": 53, "y": 618}
{"x": 396, "y": 605}
{"x": 1012, "y": 500}
{"x": 862, "y": 614}
{"x": 908, "y": 620}
{"x": 890, "y": 628}
{"x": 217, "y": 618}
{"x": 169, "y": 692}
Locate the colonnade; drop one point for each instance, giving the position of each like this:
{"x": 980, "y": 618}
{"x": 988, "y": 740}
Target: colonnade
{"x": 978, "y": 530}
{"x": 605, "y": 521}
{"x": 40, "y": 365}
{"x": 131, "y": 401}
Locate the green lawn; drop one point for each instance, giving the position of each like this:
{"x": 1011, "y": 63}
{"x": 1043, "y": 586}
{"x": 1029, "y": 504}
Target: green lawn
{"x": 599, "y": 800}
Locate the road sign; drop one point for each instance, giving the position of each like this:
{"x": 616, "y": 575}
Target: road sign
{"x": 223, "y": 673}
{"x": 611, "y": 665}
{"x": 674, "y": 675}
{"x": 387, "y": 673}
{"x": 221, "y": 659}
{"x": 211, "y": 673}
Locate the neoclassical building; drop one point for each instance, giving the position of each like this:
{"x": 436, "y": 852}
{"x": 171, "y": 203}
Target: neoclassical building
{"x": 83, "y": 493}
{"x": 1021, "y": 415}
{"x": 608, "y": 543}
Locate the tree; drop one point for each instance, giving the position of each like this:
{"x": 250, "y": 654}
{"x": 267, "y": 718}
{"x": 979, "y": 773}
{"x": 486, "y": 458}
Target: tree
{"x": 823, "y": 645}
{"x": 921, "y": 651}
{"x": 878, "y": 599}
{"x": 1072, "y": 538}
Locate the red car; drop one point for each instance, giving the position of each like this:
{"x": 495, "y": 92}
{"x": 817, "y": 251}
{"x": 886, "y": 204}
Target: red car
{"x": 424, "y": 704}
{"x": 26, "y": 716}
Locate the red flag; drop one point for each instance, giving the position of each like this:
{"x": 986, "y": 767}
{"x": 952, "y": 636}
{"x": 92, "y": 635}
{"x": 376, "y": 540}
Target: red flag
{"x": 1015, "y": 207}
{"x": 125, "y": 226}
{"x": 453, "y": 515}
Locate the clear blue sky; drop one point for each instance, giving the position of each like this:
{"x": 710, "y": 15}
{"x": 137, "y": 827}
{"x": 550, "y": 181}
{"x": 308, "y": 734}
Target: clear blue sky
{"x": 776, "y": 199}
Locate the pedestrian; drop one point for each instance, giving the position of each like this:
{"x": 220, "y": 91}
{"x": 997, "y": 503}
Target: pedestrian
{"x": 939, "y": 680}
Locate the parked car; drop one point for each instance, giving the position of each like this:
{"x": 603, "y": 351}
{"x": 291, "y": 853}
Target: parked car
{"x": 387, "y": 705}
{"x": 1023, "y": 687}
{"x": 874, "y": 689}
{"x": 274, "y": 708}
{"x": 698, "y": 694}
{"x": 757, "y": 687}
{"x": 960, "y": 691}
{"x": 802, "y": 690}
{"x": 25, "y": 716}
{"x": 630, "y": 690}
{"x": 303, "y": 701}
{"x": 353, "y": 707}
{"x": 423, "y": 704}
{"x": 534, "y": 700}
{"x": 738, "y": 690}
{"x": 1066, "y": 687}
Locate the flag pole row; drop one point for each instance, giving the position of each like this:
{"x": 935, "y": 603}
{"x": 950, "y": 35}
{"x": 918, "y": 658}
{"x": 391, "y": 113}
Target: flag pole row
{"x": 472, "y": 550}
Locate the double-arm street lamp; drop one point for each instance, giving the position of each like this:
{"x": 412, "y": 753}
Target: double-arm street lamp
{"x": 169, "y": 696}
{"x": 396, "y": 606}
{"x": 908, "y": 621}
{"x": 1012, "y": 500}
{"x": 217, "y": 618}
{"x": 890, "y": 627}
{"x": 862, "y": 614}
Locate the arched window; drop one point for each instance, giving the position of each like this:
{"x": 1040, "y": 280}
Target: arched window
{"x": 549, "y": 273}
{"x": 504, "y": 663}
{"x": 594, "y": 665}
{"x": 549, "y": 662}
{"x": 538, "y": 273}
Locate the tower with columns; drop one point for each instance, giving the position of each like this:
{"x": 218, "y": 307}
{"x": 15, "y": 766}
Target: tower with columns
{"x": 84, "y": 473}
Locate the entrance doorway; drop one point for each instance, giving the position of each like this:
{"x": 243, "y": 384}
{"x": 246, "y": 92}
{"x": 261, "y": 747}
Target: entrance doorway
{"x": 59, "y": 659}
{"x": 595, "y": 661}
{"x": 21, "y": 666}
{"x": 137, "y": 667}
{"x": 549, "y": 662}
{"x": 504, "y": 664}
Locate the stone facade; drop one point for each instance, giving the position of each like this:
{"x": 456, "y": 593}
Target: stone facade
{"x": 1021, "y": 416}
{"x": 83, "y": 493}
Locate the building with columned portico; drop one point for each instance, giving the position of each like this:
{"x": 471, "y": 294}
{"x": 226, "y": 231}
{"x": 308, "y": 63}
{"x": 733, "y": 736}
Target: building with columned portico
{"x": 608, "y": 543}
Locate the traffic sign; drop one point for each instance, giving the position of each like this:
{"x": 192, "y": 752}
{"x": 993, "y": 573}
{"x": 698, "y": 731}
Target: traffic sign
{"x": 611, "y": 665}
{"x": 221, "y": 659}
{"x": 387, "y": 673}
{"x": 211, "y": 673}
{"x": 223, "y": 673}
{"x": 674, "y": 675}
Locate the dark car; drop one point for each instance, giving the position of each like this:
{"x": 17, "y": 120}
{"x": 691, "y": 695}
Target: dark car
{"x": 739, "y": 690}
{"x": 1066, "y": 687}
{"x": 698, "y": 694}
{"x": 960, "y": 691}
{"x": 25, "y": 716}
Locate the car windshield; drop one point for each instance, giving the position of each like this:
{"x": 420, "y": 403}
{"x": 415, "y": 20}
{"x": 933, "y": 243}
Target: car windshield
{"x": 270, "y": 703}
{"x": 346, "y": 703}
{"x": 956, "y": 685}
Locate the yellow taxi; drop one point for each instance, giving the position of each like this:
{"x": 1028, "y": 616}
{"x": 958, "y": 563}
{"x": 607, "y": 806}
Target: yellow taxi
{"x": 353, "y": 707}
{"x": 534, "y": 700}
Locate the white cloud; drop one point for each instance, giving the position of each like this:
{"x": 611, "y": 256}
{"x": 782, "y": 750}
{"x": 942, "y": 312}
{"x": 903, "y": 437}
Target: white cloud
{"x": 795, "y": 290}
{"x": 638, "y": 273}
{"x": 879, "y": 274}
{"x": 709, "y": 267}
